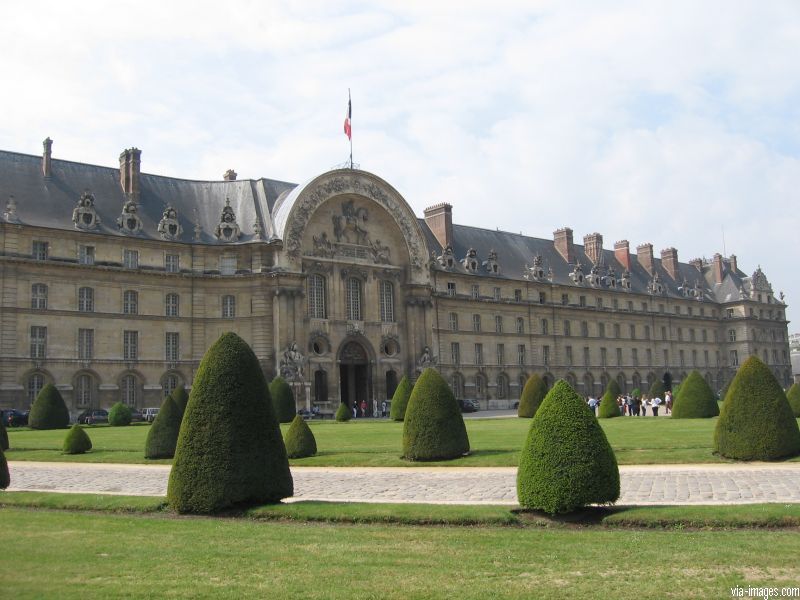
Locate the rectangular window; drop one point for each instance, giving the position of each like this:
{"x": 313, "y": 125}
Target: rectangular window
{"x": 517, "y": 295}
{"x": 619, "y": 357}
{"x": 601, "y": 330}
{"x": 630, "y": 305}
{"x": 617, "y": 334}
{"x": 86, "y": 299}
{"x": 681, "y": 358}
{"x": 598, "y": 303}
{"x": 564, "y": 299}
{"x": 568, "y": 354}
{"x": 635, "y": 357}
{"x": 476, "y": 292}
{"x": 172, "y": 263}
{"x": 567, "y": 328}
{"x": 705, "y": 357}
{"x": 647, "y": 332}
{"x": 649, "y": 357}
{"x": 691, "y": 335}
{"x": 644, "y": 306}
{"x": 603, "y": 357}
{"x": 615, "y": 303}
{"x": 586, "y": 357}
{"x": 734, "y": 358}
{"x": 476, "y": 323}
{"x": 316, "y": 297}
{"x": 353, "y": 299}
{"x": 228, "y": 307}
{"x": 689, "y": 311}
{"x": 661, "y": 308}
{"x": 130, "y": 345}
{"x": 478, "y": 354}
{"x": 545, "y": 355}
{"x": 584, "y": 329}
{"x": 520, "y": 325}
{"x": 498, "y": 324}
{"x": 38, "y": 341}
{"x": 705, "y": 335}
{"x": 130, "y": 259}
{"x": 497, "y": 293}
{"x": 521, "y": 354}
{"x": 40, "y": 250}
{"x": 677, "y": 310}
{"x": 85, "y": 344}
{"x": 501, "y": 354}
{"x": 130, "y": 302}
{"x": 664, "y": 333}
{"x": 453, "y": 320}
{"x": 694, "y": 358}
{"x": 582, "y": 301}
{"x": 86, "y": 255}
{"x": 542, "y": 297}
{"x": 666, "y": 357}
{"x": 729, "y": 312}
{"x": 387, "y": 301}
{"x": 172, "y": 305}
{"x": 227, "y": 264}
{"x": 39, "y": 296}
{"x": 451, "y": 288}
{"x": 632, "y": 331}
{"x": 455, "y": 353}
{"x": 544, "y": 327}
{"x": 171, "y": 346}
{"x": 680, "y": 334}
{"x": 731, "y": 335}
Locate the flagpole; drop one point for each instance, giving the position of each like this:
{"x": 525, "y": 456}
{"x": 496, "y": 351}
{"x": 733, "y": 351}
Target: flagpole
{"x": 350, "y": 110}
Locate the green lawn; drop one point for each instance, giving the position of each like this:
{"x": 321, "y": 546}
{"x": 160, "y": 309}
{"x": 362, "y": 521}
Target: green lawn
{"x": 58, "y": 554}
{"x": 495, "y": 442}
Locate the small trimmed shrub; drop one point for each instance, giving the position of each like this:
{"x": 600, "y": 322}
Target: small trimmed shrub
{"x": 433, "y": 428}
{"x": 119, "y": 415}
{"x": 793, "y": 396}
{"x": 180, "y": 397}
{"x": 230, "y": 451}
{"x": 163, "y": 435}
{"x": 3, "y": 436}
{"x": 657, "y": 389}
{"x": 755, "y": 422}
{"x": 532, "y": 395}
{"x": 49, "y": 411}
{"x": 566, "y": 462}
{"x": 282, "y": 400}
{"x": 400, "y": 399}
{"x": 5, "y": 476}
{"x": 609, "y": 408}
{"x": 695, "y": 400}
{"x": 77, "y": 441}
{"x": 299, "y": 439}
{"x": 344, "y": 413}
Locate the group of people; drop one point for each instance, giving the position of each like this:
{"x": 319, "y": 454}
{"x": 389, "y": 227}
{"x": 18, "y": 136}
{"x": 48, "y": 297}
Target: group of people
{"x": 360, "y": 410}
{"x": 635, "y": 406}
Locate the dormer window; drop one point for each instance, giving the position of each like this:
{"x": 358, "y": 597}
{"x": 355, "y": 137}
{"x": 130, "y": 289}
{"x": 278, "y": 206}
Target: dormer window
{"x": 470, "y": 261}
{"x": 577, "y": 274}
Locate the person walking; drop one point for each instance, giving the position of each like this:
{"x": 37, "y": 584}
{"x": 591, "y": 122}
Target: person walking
{"x": 644, "y": 405}
{"x": 656, "y": 402}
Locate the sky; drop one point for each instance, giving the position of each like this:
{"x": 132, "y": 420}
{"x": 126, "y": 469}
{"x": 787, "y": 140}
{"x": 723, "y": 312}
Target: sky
{"x": 675, "y": 123}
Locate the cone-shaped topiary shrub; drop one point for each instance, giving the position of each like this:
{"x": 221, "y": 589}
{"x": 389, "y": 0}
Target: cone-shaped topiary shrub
{"x": 433, "y": 428}
{"x": 282, "y": 400}
{"x": 695, "y": 400}
{"x": 3, "y": 436}
{"x": 657, "y": 389}
{"x": 793, "y": 396}
{"x": 609, "y": 408}
{"x": 344, "y": 413}
{"x": 77, "y": 441}
{"x": 49, "y": 410}
{"x": 5, "y": 476}
{"x": 163, "y": 435}
{"x": 567, "y": 462}
{"x": 230, "y": 450}
{"x": 756, "y": 422}
{"x": 119, "y": 415}
{"x": 400, "y": 399}
{"x": 180, "y": 397}
{"x": 299, "y": 440}
{"x": 532, "y": 395}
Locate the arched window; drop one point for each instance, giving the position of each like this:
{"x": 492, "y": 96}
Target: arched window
{"x": 353, "y": 300}
{"x": 39, "y": 296}
{"x": 523, "y": 379}
{"x": 316, "y": 297}
{"x": 170, "y": 383}
{"x": 35, "y": 385}
{"x": 128, "y": 389}
{"x": 480, "y": 386}
{"x": 457, "y": 383}
{"x": 228, "y": 307}
{"x": 391, "y": 383}
{"x": 320, "y": 386}
{"x": 502, "y": 386}
{"x": 86, "y": 299}
{"x": 621, "y": 383}
{"x": 83, "y": 390}
{"x": 387, "y": 301}
{"x": 172, "y": 305}
{"x": 130, "y": 302}
{"x": 570, "y": 379}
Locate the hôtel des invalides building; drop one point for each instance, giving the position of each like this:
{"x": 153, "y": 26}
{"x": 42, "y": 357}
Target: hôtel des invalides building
{"x": 114, "y": 283}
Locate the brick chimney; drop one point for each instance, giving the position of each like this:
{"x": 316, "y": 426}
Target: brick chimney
{"x": 47, "y": 157}
{"x": 622, "y": 252}
{"x": 644, "y": 252}
{"x": 562, "y": 239}
{"x": 669, "y": 260}
{"x": 130, "y": 162}
{"x": 718, "y": 268}
{"x": 593, "y": 246}
{"x": 439, "y": 219}
{"x": 697, "y": 263}
{"x": 734, "y": 266}
{"x": 230, "y": 175}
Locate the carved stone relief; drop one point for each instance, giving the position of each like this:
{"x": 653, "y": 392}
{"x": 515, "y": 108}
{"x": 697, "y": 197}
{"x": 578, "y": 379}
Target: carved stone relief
{"x": 129, "y": 221}
{"x": 227, "y": 229}
{"x": 84, "y": 216}
{"x": 168, "y": 227}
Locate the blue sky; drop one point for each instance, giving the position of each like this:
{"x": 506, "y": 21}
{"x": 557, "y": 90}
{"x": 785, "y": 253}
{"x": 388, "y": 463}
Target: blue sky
{"x": 659, "y": 122}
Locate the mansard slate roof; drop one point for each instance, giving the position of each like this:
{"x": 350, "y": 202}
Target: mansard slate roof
{"x": 49, "y": 202}
{"x": 516, "y": 251}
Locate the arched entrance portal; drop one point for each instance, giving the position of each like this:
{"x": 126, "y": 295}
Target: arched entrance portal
{"x": 355, "y": 383}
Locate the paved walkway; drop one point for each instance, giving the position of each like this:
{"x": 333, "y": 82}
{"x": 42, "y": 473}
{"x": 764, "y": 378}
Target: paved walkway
{"x": 647, "y": 484}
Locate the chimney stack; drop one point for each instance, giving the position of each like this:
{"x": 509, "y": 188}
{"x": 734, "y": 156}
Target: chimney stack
{"x": 644, "y": 252}
{"x": 669, "y": 260}
{"x": 734, "y": 266}
{"x": 230, "y": 175}
{"x": 622, "y": 252}
{"x": 697, "y": 263}
{"x": 593, "y": 246}
{"x": 439, "y": 219}
{"x": 47, "y": 157}
{"x": 562, "y": 239}
{"x": 130, "y": 162}
{"x": 718, "y": 268}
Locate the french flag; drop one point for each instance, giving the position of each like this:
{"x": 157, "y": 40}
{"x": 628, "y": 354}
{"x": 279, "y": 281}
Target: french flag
{"x": 347, "y": 126}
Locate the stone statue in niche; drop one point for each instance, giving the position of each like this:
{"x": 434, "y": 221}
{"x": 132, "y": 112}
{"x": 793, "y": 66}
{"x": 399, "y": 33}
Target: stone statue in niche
{"x": 347, "y": 225}
{"x": 129, "y": 220}
{"x": 168, "y": 227}
{"x": 323, "y": 246}
{"x": 84, "y": 216}
{"x": 426, "y": 359}
{"x": 292, "y": 363}
{"x": 228, "y": 229}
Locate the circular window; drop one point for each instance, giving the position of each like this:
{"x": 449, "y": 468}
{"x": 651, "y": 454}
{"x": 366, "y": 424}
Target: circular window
{"x": 318, "y": 347}
{"x": 390, "y": 348}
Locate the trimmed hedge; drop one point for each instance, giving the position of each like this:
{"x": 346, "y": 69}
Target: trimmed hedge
{"x": 695, "y": 400}
{"x": 609, "y": 408}
{"x": 181, "y": 398}
{"x": 5, "y": 476}
{"x": 657, "y": 389}
{"x": 299, "y": 439}
{"x": 433, "y": 428}
{"x": 566, "y": 462}
{"x": 793, "y": 396}
{"x": 532, "y": 395}
{"x": 282, "y": 400}
{"x": 230, "y": 450}
{"x": 77, "y": 441}
{"x": 163, "y": 435}
{"x": 49, "y": 411}
{"x": 344, "y": 413}
{"x": 119, "y": 415}
{"x": 3, "y": 436}
{"x": 756, "y": 422}
{"x": 397, "y": 412}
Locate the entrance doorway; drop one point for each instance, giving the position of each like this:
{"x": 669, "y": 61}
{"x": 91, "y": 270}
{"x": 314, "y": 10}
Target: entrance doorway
{"x": 354, "y": 378}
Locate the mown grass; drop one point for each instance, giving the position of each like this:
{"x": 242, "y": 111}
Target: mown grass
{"x": 368, "y": 443}
{"x": 59, "y": 554}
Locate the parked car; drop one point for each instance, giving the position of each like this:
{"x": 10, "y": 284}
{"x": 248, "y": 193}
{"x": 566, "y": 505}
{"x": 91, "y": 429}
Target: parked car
{"x": 150, "y": 414}
{"x": 136, "y": 416}
{"x": 92, "y": 416}
{"x": 15, "y": 418}
{"x": 467, "y": 406}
